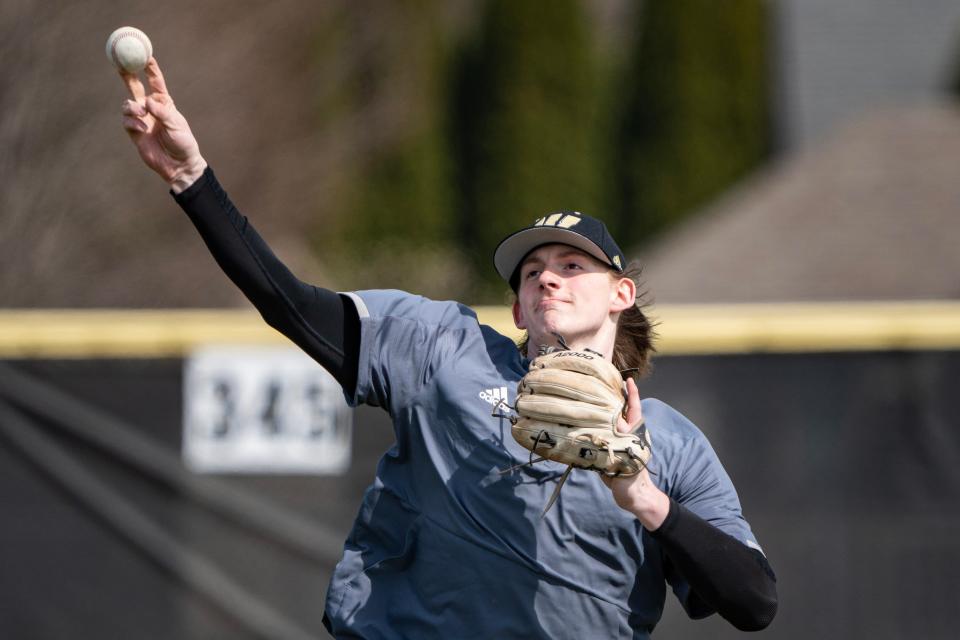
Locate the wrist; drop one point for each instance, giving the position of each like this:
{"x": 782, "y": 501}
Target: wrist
{"x": 186, "y": 176}
{"x": 650, "y": 506}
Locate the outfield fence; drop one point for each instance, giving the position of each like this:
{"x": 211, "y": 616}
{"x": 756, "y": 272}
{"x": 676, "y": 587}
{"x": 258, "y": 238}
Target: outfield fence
{"x": 837, "y": 422}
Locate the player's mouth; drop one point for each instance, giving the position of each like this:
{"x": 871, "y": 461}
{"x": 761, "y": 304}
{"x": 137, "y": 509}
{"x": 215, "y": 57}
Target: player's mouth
{"x": 550, "y": 303}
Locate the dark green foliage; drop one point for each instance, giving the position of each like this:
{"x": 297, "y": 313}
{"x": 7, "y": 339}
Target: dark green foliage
{"x": 398, "y": 206}
{"x": 403, "y": 193}
{"x": 447, "y": 156}
{"x": 953, "y": 80}
{"x": 697, "y": 115}
{"x": 527, "y": 123}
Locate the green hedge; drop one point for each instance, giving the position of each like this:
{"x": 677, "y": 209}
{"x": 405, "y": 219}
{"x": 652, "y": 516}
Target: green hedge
{"x": 528, "y": 123}
{"x": 395, "y": 227}
{"x": 522, "y": 116}
{"x": 697, "y": 116}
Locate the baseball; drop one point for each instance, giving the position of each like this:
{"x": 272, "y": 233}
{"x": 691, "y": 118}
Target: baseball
{"x": 128, "y": 49}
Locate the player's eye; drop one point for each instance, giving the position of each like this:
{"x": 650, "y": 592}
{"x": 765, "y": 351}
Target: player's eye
{"x": 574, "y": 265}
{"x": 531, "y": 274}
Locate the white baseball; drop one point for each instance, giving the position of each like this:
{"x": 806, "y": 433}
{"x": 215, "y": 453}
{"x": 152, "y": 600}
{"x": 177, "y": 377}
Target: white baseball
{"x": 128, "y": 48}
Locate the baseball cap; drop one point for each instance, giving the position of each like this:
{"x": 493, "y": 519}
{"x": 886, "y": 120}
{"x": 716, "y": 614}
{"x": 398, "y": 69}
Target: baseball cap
{"x": 573, "y": 228}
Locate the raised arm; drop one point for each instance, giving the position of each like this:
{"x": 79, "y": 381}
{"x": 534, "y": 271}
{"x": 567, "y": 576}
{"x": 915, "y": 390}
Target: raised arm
{"x": 322, "y": 323}
{"x": 724, "y": 574}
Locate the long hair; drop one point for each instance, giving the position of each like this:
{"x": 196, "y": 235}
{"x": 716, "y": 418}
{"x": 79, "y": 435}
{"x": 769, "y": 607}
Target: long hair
{"x": 633, "y": 347}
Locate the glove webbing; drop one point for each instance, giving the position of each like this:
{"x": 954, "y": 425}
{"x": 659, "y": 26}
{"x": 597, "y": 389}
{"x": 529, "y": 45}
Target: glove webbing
{"x": 544, "y": 350}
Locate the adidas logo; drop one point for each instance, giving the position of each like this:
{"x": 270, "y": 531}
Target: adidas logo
{"x": 494, "y": 396}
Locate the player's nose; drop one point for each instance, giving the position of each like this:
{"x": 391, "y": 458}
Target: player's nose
{"x": 548, "y": 279}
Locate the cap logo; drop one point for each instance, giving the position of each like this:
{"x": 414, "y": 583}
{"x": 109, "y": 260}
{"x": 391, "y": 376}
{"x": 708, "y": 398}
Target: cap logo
{"x": 616, "y": 261}
{"x": 562, "y": 220}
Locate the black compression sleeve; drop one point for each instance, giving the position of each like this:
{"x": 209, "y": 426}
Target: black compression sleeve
{"x": 322, "y": 323}
{"x": 730, "y": 578}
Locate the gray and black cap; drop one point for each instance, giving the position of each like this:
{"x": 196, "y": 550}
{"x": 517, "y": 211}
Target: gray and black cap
{"x": 573, "y": 228}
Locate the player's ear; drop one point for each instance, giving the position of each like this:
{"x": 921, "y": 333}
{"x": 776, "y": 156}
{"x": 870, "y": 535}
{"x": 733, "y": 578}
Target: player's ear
{"x": 518, "y": 320}
{"x": 623, "y": 295}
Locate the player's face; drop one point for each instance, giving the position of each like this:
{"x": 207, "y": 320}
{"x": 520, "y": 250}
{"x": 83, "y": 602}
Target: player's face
{"x": 564, "y": 291}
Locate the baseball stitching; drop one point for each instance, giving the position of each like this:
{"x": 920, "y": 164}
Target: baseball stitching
{"x": 121, "y": 36}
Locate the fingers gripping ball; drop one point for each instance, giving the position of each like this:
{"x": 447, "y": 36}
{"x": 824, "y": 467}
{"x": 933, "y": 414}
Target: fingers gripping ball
{"x": 569, "y": 405}
{"x": 129, "y": 49}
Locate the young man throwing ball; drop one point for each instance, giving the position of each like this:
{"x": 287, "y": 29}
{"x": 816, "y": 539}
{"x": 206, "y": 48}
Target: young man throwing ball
{"x": 451, "y": 540}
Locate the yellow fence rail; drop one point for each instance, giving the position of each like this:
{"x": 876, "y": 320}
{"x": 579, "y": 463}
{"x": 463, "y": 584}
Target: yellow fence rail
{"x": 682, "y": 329}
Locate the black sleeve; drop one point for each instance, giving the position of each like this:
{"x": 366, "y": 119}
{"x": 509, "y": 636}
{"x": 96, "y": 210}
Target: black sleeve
{"x": 724, "y": 574}
{"x": 321, "y": 322}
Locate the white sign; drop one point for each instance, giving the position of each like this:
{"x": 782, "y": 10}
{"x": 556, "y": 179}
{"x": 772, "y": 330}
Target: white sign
{"x": 263, "y": 410}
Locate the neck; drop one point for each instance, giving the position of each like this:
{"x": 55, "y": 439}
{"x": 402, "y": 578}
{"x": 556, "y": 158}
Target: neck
{"x": 601, "y": 342}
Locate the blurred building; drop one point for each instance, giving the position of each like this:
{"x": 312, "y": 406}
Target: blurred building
{"x": 860, "y": 202}
{"x": 868, "y": 213}
{"x": 837, "y": 60}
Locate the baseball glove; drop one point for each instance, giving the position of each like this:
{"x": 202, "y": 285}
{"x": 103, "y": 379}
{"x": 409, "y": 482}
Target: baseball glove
{"x": 569, "y": 404}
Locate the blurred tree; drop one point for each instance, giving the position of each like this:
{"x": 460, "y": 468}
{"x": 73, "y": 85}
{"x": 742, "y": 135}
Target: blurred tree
{"x": 697, "y": 116}
{"x": 397, "y": 228}
{"x": 953, "y": 78}
{"x": 526, "y": 125}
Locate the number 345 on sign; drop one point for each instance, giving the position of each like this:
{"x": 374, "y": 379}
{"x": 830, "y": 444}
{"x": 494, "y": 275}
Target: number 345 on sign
{"x": 263, "y": 410}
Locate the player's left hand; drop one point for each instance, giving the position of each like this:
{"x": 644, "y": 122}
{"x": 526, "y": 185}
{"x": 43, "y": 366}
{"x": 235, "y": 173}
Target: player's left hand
{"x": 637, "y": 494}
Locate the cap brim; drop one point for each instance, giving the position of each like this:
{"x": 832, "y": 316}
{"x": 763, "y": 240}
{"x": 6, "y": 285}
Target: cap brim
{"x": 512, "y": 250}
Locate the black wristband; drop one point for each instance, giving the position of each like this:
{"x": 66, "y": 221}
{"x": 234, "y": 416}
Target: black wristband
{"x": 669, "y": 522}
{"x": 190, "y": 192}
